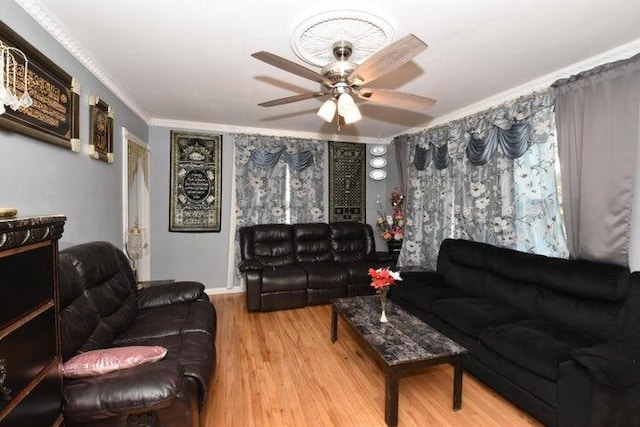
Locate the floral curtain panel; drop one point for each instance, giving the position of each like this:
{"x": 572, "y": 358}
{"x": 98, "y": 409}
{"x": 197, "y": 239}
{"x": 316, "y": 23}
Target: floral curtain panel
{"x": 490, "y": 177}
{"x": 279, "y": 180}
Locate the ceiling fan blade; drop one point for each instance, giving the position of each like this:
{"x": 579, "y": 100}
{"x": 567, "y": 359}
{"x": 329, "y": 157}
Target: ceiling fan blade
{"x": 286, "y": 65}
{"x": 388, "y": 59}
{"x": 290, "y": 99}
{"x": 396, "y": 99}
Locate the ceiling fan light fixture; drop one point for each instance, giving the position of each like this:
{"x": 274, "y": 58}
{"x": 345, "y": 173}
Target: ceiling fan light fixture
{"x": 328, "y": 110}
{"x": 352, "y": 116}
{"x": 345, "y": 103}
{"x": 348, "y": 109}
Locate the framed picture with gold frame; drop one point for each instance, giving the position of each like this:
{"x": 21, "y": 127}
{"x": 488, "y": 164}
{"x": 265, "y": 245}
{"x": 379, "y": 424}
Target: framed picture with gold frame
{"x": 54, "y": 116}
{"x": 101, "y": 130}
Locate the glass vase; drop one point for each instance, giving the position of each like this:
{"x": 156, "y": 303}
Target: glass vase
{"x": 383, "y": 303}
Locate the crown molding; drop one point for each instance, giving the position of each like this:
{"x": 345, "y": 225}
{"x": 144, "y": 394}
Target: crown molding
{"x": 50, "y": 23}
{"x": 624, "y": 51}
{"x": 217, "y": 127}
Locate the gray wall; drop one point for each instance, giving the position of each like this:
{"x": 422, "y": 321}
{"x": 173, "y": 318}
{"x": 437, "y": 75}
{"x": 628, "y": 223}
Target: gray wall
{"x": 204, "y": 256}
{"x": 187, "y": 256}
{"x": 41, "y": 178}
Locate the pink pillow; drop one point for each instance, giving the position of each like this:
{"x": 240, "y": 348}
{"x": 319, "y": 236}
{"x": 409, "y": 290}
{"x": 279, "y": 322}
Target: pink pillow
{"x": 102, "y": 361}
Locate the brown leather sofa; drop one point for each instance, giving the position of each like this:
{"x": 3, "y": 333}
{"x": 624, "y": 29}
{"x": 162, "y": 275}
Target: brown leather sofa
{"x": 293, "y": 265}
{"x": 101, "y": 307}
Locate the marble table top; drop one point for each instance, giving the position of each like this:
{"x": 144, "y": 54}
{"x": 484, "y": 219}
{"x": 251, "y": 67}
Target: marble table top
{"x": 403, "y": 339}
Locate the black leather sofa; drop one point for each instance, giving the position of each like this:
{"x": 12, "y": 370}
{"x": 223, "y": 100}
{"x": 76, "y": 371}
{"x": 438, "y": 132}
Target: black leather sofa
{"x": 101, "y": 307}
{"x": 559, "y": 338}
{"x": 293, "y": 265}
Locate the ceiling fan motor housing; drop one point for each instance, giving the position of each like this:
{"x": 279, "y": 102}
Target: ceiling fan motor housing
{"x": 338, "y": 70}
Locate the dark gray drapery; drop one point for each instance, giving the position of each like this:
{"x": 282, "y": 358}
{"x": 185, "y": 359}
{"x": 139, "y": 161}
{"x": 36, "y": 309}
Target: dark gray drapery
{"x": 402, "y": 161}
{"x": 597, "y": 116}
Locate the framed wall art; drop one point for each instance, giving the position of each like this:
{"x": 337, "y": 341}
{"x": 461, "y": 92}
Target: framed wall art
{"x": 100, "y": 130}
{"x": 54, "y": 115}
{"x": 196, "y": 190}
{"x": 347, "y": 182}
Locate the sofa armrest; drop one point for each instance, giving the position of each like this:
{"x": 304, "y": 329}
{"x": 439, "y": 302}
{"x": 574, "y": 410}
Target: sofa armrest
{"x": 143, "y": 388}
{"x": 170, "y": 293}
{"x": 423, "y": 277}
{"x": 382, "y": 257}
{"x": 250, "y": 265}
{"x": 614, "y": 364}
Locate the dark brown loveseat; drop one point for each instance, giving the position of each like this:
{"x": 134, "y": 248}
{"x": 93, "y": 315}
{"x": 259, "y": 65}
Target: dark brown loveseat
{"x": 288, "y": 266}
{"x": 101, "y": 307}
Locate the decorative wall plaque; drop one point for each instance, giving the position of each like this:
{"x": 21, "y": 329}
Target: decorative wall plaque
{"x": 347, "y": 180}
{"x": 54, "y": 115}
{"x": 101, "y": 130}
{"x": 196, "y": 166}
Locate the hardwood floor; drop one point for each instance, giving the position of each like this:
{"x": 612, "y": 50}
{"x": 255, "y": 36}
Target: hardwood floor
{"x": 281, "y": 369}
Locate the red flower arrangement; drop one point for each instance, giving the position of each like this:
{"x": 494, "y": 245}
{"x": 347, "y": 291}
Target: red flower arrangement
{"x": 381, "y": 280}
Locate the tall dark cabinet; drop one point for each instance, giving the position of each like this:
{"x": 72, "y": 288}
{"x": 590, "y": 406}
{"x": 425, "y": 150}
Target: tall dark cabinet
{"x": 30, "y": 378}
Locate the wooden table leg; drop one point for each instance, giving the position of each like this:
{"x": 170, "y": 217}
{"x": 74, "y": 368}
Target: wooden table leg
{"x": 457, "y": 384}
{"x": 334, "y": 324}
{"x": 391, "y": 398}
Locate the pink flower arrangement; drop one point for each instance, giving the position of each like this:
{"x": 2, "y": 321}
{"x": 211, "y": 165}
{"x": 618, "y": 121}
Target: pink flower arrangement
{"x": 391, "y": 227}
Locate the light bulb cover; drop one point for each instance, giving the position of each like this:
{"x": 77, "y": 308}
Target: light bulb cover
{"x": 352, "y": 116}
{"x": 345, "y": 103}
{"x": 327, "y": 111}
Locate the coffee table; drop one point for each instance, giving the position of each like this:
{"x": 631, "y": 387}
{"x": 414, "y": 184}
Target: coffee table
{"x": 402, "y": 345}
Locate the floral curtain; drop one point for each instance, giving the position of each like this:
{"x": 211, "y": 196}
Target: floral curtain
{"x": 490, "y": 177}
{"x": 279, "y": 180}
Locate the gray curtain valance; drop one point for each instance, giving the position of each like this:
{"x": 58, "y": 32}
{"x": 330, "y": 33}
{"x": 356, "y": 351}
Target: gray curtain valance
{"x": 513, "y": 142}
{"x": 512, "y": 127}
{"x": 264, "y": 159}
{"x": 439, "y": 154}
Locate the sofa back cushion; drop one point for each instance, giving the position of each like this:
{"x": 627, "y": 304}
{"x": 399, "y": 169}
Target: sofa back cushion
{"x": 587, "y": 296}
{"x": 312, "y": 242}
{"x": 271, "y": 244}
{"x": 351, "y": 241}
{"x": 98, "y": 296}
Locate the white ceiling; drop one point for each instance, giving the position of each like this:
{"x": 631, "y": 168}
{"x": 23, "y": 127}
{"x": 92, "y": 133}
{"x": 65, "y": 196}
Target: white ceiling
{"x": 190, "y": 60}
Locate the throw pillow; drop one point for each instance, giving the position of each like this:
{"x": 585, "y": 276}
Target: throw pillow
{"x": 102, "y": 361}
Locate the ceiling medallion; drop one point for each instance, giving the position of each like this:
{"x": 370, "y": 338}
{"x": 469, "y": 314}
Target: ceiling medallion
{"x": 312, "y": 40}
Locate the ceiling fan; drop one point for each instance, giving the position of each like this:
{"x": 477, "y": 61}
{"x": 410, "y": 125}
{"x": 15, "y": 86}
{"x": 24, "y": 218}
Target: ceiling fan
{"x": 342, "y": 79}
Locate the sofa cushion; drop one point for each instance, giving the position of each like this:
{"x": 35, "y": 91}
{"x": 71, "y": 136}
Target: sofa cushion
{"x": 422, "y": 291}
{"x": 168, "y": 320}
{"x": 312, "y": 242}
{"x": 90, "y": 399}
{"x": 284, "y": 278}
{"x": 350, "y": 241}
{"x": 105, "y": 360}
{"x": 534, "y": 344}
{"x": 326, "y": 275}
{"x": 170, "y": 293}
{"x": 599, "y": 318}
{"x": 615, "y": 364}
{"x": 273, "y": 244}
{"x": 100, "y": 296}
{"x": 472, "y": 315}
{"x": 194, "y": 351}
{"x": 586, "y": 279}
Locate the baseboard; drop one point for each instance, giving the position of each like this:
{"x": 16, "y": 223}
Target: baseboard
{"x": 218, "y": 291}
